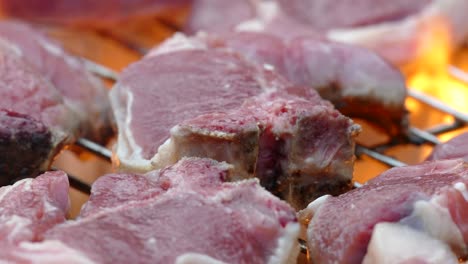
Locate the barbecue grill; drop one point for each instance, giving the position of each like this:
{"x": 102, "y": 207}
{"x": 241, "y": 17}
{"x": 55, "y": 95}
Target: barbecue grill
{"x": 374, "y": 156}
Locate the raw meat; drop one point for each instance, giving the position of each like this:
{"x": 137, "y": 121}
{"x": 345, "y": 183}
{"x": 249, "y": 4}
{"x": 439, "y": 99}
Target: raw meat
{"x": 85, "y": 12}
{"x": 203, "y": 176}
{"x": 324, "y": 15}
{"x": 376, "y": 92}
{"x": 34, "y": 120}
{"x": 32, "y": 206}
{"x": 47, "y": 252}
{"x": 455, "y": 148}
{"x": 218, "y": 16}
{"x": 400, "y": 31}
{"x": 230, "y": 222}
{"x": 82, "y": 92}
{"x": 397, "y": 30}
{"x": 393, "y": 243}
{"x": 290, "y": 143}
{"x": 430, "y": 197}
{"x": 158, "y": 92}
{"x": 113, "y": 190}
{"x": 299, "y": 149}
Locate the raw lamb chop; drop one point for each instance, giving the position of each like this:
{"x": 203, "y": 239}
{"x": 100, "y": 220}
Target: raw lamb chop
{"x": 199, "y": 92}
{"x": 35, "y": 122}
{"x": 358, "y": 82}
{"x": 28, "y": 209}
{"x": 455, "y": 148}
{"x": 400, "y": 31}
{"x": 203, "y": 176}
{"x": 32, "y": 206}
{"x": 290, "y": 144}
{"x": 221, "y": 222}
{"x": 377, "y": 93}
{"x": 82, "y": 92}
{"x": 430, "y": 198}
{"x": 157, "y": 93}
{"x": 84, "y": 12}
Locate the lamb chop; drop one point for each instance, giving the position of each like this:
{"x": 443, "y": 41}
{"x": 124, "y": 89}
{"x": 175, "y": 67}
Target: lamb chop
{"x": 82, "y": 92}
{"x": 214, "y": 103}
{"x": 304, "y": 57}
{"x": 455, "y": 148}
{"x": 49, "y": 100}
{"x": 35, "y": 122}
{"x": 430, "y": 198}
{"x": 29, "y": 208}
{"x": 32, "y": 206}
{"x": 398, "y": 30}
{"x": 358, "y": 82}
{"x": 204, "y": 219}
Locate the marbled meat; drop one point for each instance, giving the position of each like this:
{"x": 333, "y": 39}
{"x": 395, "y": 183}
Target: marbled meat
{"x": 357, "y": 81}
{"x": 215, "y": 103}
{"x": 455, "y": 148}
{"x": 431, "y": 198}
{"x": 202, "y": 219}
{"x": 35, "y": 122}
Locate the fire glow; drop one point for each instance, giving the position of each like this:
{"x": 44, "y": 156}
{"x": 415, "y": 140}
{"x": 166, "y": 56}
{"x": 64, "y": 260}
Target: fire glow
{"x": 439, "y": 82}
{"x": 437, "y": 74}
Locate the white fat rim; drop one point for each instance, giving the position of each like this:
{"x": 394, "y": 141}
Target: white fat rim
{"x": 430, "y": 211}
{"x": 288, "y": 248}
{"x": 128, "y": 153}
{"x": 196, "y": 258}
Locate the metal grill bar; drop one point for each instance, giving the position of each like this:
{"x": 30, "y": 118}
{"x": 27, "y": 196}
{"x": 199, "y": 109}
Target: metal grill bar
{"x": 437, "y": 104}
{"x": 444, "y": 128}
{"x": 77, "y": 183}
{"x": 95, "y": 148}
{"x": 421, "y": 134}
{"x": 387, "y": 160}
{"x": 458, "y": 73}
